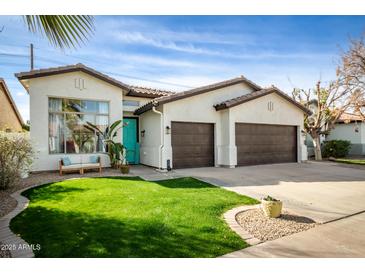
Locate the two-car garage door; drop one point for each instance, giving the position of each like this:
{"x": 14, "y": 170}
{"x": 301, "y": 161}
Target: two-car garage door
{"x": 265, "y": 144}
{"x": 193, "y": 144}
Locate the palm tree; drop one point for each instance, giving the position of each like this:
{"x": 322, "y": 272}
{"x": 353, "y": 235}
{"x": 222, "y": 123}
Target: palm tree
{"x": 63, "y": 31}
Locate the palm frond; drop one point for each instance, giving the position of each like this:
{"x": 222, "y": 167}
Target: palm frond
{"x": 63, "y": 31}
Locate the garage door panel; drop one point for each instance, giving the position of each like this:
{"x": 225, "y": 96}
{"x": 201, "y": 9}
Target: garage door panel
{"x": 192, "y": 144}
{"x": 264, "y": 144}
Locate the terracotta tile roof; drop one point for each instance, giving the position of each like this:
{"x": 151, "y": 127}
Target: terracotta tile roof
{"x": 349, "y": 117}
{"x": 132, "y": 90}
{"x": 70, "y": 68}
{"x": 11, "y": 101}
{"x": 148, "y": 92}
{"x": 257, "y": 94}
{"x": 195, "y": 91}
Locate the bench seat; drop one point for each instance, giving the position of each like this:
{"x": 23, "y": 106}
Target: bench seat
{"x": 81, "y": 167}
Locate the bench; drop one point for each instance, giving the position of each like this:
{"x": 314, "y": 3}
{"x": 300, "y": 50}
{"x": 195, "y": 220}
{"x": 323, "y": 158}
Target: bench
{"x": 67, "y": 166}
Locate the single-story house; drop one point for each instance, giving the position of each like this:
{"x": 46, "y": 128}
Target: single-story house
{"x": 10, "y": 118}
{"x": 228, "y": 124}
{"x": 350, "y": 127}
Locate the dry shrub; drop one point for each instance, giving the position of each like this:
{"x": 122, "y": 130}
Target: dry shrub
{"x": 16, "y": 155}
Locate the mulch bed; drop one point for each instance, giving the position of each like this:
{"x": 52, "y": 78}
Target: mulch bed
{"x": 266, "y": 229}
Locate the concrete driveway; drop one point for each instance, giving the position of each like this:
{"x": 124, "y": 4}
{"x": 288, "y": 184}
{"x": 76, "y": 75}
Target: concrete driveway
{"x": 322, "y": 191}
{"x": 339, "y": 239}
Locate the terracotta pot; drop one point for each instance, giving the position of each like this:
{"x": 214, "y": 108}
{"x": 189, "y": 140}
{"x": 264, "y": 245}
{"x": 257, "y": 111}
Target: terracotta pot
{"x": 124, "y": 169}
{"x": 272, "y": 209}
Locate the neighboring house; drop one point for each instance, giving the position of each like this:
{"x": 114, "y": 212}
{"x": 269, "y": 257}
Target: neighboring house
{"x": 231, "y": 123}
{"x": 10, "y": 118}
{"x": 351, "y": 128}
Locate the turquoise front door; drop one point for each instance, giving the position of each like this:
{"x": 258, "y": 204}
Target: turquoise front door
{"x": 130, "y": 140}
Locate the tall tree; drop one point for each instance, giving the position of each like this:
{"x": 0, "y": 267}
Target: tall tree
{"x": 63, "y": 31}
{"x": 327, "y": 105}
{"x": 351, "y": 74}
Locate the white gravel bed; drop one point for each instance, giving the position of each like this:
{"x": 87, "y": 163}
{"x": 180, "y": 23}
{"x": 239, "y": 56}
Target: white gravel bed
{"x": 266, "y": 229}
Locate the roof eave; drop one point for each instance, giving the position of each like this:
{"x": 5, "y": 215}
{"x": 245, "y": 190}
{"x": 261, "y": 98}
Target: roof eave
{"x": 274, "y": 90}
{"x": 142, "y": 95}
{"x": 146, "y": 107}
{"x": 68, "y": 69}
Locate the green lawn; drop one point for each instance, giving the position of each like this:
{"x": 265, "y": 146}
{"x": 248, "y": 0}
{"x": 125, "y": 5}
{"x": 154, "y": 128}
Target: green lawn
{"x": 351, "y": 161}
{"x": 129, "y": 217}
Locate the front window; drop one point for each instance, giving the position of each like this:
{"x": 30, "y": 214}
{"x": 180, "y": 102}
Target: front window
{"x": 68, "y": 131}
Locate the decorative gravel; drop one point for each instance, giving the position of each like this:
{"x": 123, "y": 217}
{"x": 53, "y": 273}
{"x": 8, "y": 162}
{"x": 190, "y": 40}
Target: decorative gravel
{"x": 4, "y": 253}
{"x": 266, "y": 229}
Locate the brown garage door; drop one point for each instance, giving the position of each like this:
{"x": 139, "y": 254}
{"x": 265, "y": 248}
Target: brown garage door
{"x": 265, "y": 144}
{"x": 192, "y": 144}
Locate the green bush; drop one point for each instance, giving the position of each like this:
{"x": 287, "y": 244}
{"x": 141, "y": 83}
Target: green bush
{"x": 16, "y": 155}
{"x": 336, "y": 148}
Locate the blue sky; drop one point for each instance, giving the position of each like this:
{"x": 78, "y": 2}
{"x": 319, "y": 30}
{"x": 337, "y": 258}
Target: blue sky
{"x": 182, "y": 52}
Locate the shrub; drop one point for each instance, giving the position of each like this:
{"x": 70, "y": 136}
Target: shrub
{"x": 336, "y": 148}
{"x": 16, "y": 154}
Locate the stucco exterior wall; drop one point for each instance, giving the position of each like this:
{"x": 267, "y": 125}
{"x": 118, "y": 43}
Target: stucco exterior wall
{"x": 8, "y": 119}
{"x": 283, "y": 113}
{"x": 150, "y": 123}
{"x": 347, "y": 132}
{"x": 200, "y": 109}
{"x": 63, "y": 86}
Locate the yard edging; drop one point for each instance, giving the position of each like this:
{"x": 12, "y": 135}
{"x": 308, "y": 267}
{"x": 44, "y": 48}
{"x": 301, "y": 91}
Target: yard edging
{"x": 230, "y": 218}
{"x": 7, "y": 237}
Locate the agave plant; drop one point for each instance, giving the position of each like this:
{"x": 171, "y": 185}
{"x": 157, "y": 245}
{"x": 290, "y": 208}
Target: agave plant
{"x": 115, "y": 150}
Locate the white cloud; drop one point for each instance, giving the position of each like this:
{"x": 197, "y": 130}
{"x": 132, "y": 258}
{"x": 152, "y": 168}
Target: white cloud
{"x": 140, "y": 38}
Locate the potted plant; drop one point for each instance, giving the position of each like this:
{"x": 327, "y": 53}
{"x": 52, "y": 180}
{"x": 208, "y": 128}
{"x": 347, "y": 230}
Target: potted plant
{"x": 271, "y": 207}
{"x": 124, "y": 167}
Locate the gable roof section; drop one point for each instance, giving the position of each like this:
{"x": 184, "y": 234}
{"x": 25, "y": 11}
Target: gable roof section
{"x": 195, "y": 91}
{"x": 257, "y": 94}
{"x": 11, "y": 101}
{"x": 132, "y": 90}
{"x": 70, "y": 68}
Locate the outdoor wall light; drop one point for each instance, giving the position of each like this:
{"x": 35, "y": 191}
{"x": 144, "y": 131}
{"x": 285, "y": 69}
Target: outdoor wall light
{"x": 168, "y": 130}
{"x": 142, "y": 133}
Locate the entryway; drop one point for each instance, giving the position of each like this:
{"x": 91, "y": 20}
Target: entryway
{"x": 131, "y": 139}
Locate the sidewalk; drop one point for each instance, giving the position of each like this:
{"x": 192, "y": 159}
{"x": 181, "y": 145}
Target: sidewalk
{"x": 337, "y": 239}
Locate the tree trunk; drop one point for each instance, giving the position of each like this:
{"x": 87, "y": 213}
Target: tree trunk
{"x": 317, "y": 148}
